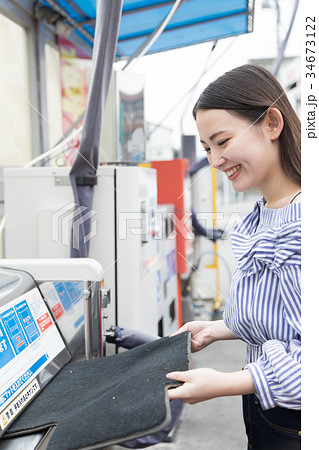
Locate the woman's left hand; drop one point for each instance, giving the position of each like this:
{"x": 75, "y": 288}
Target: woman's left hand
{"x": 204, "y": 384}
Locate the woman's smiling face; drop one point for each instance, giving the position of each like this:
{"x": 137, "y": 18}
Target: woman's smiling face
{"x": 246, "y": 153}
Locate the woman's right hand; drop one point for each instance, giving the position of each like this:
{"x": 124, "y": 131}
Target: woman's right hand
{"x": 205, "y": 333}
{"x": 202, "y": 334}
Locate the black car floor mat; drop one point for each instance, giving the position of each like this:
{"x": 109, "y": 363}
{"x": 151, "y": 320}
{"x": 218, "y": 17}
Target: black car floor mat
{"x": 108, "y": 400}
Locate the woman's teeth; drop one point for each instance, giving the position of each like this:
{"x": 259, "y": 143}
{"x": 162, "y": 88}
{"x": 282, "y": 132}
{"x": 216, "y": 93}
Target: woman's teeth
{"x": 231, "y": 172}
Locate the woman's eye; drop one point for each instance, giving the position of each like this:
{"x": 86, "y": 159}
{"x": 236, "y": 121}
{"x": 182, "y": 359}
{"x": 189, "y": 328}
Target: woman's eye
{"x": 206, "y": 149}
{"x": 221, "y": 143}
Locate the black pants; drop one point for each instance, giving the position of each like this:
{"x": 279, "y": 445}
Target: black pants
{"x": 273, "y": 429}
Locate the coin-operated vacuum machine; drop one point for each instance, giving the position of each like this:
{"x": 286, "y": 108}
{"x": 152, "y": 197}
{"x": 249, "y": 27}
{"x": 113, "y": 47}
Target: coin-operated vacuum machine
{"x": 173, "y": 187}
{"x": 36, "y": 342}
{"x": 57, "y": 387}
{"x": 122, "y": 237}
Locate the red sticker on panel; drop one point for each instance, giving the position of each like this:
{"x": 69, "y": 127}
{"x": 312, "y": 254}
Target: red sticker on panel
{"x": 44, "y": 322}
{"x": 57, "y": 311}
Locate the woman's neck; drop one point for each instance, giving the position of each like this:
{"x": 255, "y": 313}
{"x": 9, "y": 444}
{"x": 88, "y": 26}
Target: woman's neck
{"x": 280, "y": 194}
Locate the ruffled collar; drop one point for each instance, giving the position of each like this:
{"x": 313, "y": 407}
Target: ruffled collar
{"x": 268, "y": 236}
{"x": 277, "y": 217}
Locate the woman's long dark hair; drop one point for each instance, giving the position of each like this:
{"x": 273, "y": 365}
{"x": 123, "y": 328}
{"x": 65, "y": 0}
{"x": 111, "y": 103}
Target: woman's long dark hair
{"x": 249, "y": 91}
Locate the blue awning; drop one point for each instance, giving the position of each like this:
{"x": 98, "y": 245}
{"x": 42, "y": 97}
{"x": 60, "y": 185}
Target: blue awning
{"x": 194, "y": 22}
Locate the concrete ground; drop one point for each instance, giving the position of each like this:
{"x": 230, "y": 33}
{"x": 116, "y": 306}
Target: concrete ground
{"x": 215, "y": 424}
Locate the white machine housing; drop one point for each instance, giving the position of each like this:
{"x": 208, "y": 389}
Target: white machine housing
{"x": 39, "y": 209}
{"x": 167, "y": 294}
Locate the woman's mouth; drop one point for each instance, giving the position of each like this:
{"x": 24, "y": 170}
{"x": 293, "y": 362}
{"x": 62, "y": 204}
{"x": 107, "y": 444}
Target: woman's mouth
{"x": 231, "y": 172}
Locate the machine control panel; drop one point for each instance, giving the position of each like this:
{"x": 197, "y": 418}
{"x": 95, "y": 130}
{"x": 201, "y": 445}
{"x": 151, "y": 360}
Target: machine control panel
{"x": 29, "y": 342}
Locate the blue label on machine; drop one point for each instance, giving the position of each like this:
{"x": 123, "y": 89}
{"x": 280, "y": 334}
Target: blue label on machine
{"x": 6, "y": 352}
{"x": 159, "y": 286}
{"x": 73, "y": 291}
{"x": 78, "y": 322}
{"x": 69, "y": 293}
{"x": 171, "y": 264}
{"x": 27, "y": 321}
{"x": 24, "y": 378}
{"x": 64, "y": 296}
{"x": 14, "y": 331}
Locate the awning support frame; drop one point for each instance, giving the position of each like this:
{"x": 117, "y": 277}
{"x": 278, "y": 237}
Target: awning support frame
{"x": 143, "y": 49}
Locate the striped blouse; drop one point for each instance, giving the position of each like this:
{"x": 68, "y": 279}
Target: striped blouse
{"x": 263, "y": 307}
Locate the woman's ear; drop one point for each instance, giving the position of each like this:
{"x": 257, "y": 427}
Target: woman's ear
{"x": 274, "y": 123}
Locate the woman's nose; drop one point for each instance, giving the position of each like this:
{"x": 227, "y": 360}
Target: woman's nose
{"x": 215, "y": 160}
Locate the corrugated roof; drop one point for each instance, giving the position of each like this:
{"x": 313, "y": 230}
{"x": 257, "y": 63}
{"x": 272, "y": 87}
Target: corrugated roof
{"x": 195, "y": 21}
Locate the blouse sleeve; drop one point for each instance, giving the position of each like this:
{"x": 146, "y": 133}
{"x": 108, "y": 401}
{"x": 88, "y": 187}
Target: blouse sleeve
{"x": 276, "y": 374}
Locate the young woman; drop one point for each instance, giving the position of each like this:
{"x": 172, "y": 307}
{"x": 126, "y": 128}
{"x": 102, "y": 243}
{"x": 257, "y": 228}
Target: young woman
{"x": 251, "y": 133}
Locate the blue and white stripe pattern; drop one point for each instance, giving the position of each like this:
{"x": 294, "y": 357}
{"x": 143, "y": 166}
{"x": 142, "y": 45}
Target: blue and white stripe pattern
{"x": 263, "y": 307}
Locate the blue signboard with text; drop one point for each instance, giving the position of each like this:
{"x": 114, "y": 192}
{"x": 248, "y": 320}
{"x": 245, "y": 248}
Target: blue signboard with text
{"x": 6, "y": 352}
{"x": 27, "y": 321}
{"x": 14, "y": 330}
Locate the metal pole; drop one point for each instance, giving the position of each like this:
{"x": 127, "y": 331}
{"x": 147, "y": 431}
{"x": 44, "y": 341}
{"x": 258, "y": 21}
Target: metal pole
{"x": 75, "y": 24}
{"x": 281, "y": 53}
{"x": 92, "y": 321}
